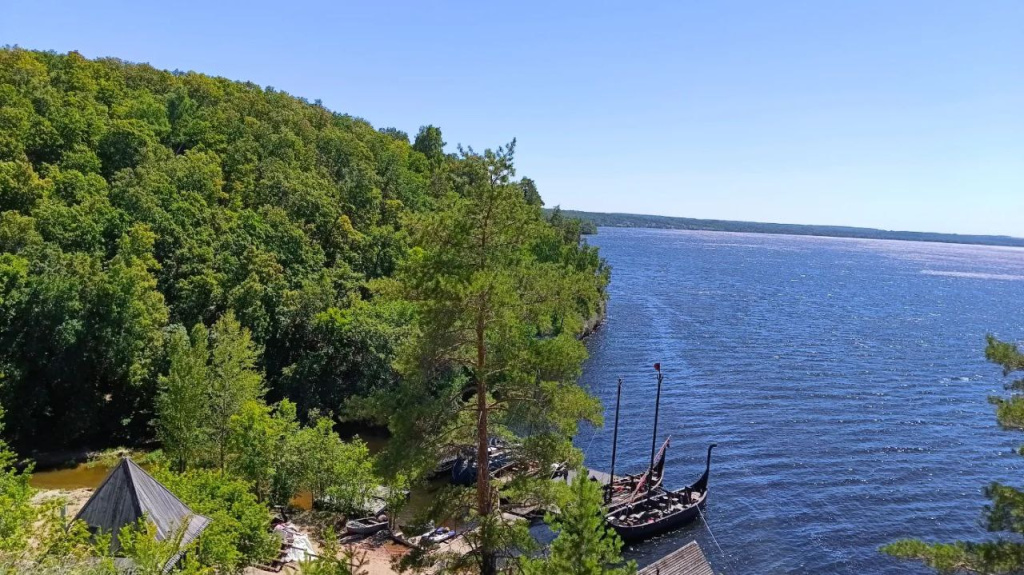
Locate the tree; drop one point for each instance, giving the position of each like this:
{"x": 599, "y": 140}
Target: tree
{"x": 234, "y": 379}
{"x": 33, "y": 536}
{"x": 585, "y": 544}
{"x": 342, "y": 471}
{"x": 133, "y": 200}
{"x": 530, "y": 193}
{"x": 182, "y": 403}
{"x": 263, "y": 451}
{"x": 495, "y": 352}
{"x": 1004, "y": 514}
{"x": 335, "y": 561}
{"x": 17, "y": 514}
{"x": 239, "y": 532}
{"x": 430, "y": 143}
{"x": 149, "y": 555}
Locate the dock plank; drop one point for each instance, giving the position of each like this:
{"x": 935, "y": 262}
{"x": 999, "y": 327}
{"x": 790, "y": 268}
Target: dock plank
{"x": 687, "y": 560}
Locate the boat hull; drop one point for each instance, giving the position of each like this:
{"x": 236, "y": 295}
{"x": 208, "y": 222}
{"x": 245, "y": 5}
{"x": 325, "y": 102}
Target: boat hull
{"x": 364, "y": 527}
{"x": 627, "y": 520}
{"x": 634, "y": 533}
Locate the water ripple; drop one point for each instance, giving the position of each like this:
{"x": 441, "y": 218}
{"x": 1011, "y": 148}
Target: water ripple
{"x": 845, "y": 387}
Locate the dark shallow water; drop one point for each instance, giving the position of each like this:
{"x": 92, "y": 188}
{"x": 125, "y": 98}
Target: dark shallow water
{"x": 844, "y": 381}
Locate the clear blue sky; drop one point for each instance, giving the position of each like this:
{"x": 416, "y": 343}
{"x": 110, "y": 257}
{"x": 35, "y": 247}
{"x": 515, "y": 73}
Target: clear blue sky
{"x": 893, "y": 114}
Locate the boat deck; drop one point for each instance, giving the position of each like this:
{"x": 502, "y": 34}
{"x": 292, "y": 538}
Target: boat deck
{"x": 687, "y": 560}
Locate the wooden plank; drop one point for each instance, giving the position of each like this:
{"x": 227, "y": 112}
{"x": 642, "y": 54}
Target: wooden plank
{"x": 687, "y": 560}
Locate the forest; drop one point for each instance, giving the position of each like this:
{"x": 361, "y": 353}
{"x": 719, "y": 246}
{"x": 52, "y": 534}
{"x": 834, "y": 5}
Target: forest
{"x": 220, "y": 274}
{"x": 137, "y": 204}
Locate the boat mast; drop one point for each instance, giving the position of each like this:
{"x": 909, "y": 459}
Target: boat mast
{"x": 615, "y": 444}
{"x": 654, "y": 437}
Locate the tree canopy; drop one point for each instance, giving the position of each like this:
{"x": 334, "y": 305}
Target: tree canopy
{"x": 136, "y": 203}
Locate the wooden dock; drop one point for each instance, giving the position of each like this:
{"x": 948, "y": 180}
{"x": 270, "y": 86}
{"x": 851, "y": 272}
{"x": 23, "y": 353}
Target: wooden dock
{"x": 687, "y": 560}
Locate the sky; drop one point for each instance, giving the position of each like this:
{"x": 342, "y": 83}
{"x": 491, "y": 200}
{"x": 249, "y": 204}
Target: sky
{"x": 901, "y": 115}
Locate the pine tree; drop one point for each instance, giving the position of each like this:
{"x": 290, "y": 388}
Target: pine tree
{"x": 585, "y": 544}
{"x": 495, "y": 351}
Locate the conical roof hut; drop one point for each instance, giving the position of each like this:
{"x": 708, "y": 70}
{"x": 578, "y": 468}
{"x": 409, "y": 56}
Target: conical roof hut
{"x": 128, "y": 494}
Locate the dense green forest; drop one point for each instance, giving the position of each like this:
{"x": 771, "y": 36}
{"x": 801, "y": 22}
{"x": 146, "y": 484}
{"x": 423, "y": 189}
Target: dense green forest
{"x": 673, "y": 223}
{"x": 137, "y": 203}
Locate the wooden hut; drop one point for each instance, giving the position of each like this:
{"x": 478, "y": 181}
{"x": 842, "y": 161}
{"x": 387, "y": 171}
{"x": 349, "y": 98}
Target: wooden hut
{"x": 127, "y": 495}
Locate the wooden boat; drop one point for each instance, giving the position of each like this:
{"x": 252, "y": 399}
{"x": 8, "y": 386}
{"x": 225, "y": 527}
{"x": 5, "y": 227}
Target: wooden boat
{"x": 499, "y": 460}
{"x": 659, "y": 511}
{"x": 621, "y": 489}
{"x": 366, "y": 525}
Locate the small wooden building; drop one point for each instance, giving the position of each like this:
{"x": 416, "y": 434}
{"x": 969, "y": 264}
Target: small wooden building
{"x": 127, "y": 495}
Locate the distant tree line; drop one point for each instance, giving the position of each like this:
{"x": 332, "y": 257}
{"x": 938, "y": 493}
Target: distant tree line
{"x": 615, "y": 220}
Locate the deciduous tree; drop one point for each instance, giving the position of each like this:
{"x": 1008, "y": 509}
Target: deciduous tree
{"x": 182, "y": 405}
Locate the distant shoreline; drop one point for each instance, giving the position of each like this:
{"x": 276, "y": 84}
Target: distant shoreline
{"x": 618, "y": 220}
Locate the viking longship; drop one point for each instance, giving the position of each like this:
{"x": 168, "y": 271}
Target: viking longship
{"x": 656, "y": 511}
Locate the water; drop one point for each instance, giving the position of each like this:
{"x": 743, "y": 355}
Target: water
{"x": 844, "y": 381}
{"x": 79, "y": 476}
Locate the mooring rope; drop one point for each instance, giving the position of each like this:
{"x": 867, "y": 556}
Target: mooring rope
{"x": 593, "y": 436}
{"x": 715, "y": 540}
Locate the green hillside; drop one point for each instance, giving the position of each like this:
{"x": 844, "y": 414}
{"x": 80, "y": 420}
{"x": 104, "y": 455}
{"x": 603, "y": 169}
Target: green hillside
{"x": 136, "y": 203}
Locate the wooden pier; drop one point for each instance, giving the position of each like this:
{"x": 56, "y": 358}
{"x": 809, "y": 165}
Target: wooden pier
{"x": 687, "y": 560}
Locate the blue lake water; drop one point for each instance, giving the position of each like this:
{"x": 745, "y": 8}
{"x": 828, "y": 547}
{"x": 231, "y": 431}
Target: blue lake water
{"x": 844, "y": 381}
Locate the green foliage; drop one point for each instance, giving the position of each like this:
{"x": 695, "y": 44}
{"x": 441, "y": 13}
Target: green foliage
{"x": 134, "y": 200}
{"x": 1005, "y": 513}
{"x": 334, "y": 470}
{"x": 33, "y": 536}
{"x": 335, "y": 561}
{"x": 530, "y": 193}
{"x": 181, "y": 405}
{"x": 17, "y": 514}
{"x": 233, "y": 379}
{"x": 430, "y": 143}
{"x": 585, "y": 544}
{"x": 150, "y": 556}
{"x": 212, "y": 376}
{"x": 264, "y": 451}
{"x": 239, "y": 531}
{"x": 494, "y": 350}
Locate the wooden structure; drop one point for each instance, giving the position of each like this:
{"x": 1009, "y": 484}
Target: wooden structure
{"x": 660, "y": 511}
{"x": 687, "y": 560}
{"x": 127, "y": 495}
